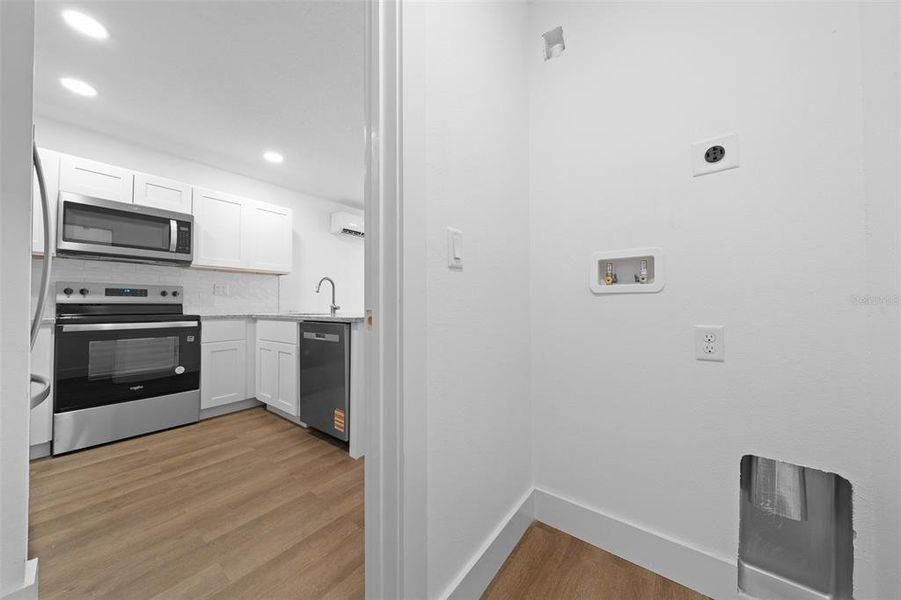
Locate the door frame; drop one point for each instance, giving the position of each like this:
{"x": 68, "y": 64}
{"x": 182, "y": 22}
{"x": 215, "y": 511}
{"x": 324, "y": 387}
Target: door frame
{"x": 395, "y": 476}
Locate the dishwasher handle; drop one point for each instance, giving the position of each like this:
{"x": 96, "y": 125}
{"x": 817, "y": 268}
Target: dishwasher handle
{"x": 321, "y": 337}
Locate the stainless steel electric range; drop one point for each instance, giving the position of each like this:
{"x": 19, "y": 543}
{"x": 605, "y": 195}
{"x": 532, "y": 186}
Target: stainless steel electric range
{"x": 127, "y": 362}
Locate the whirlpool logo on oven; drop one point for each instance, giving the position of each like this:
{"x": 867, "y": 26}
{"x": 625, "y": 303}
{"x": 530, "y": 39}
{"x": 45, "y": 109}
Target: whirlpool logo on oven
{"x": 135, "y": 388}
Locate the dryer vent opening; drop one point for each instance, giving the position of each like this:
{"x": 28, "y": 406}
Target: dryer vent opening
{"x": 795, "y": 532}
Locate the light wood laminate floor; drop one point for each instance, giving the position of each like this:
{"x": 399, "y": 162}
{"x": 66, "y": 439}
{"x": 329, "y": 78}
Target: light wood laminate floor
{"x": 241, "y": 506}
{"x": 548, "y": 563}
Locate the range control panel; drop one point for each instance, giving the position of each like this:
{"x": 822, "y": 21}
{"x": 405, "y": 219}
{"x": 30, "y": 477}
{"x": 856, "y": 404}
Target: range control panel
{"x": 104, "y": 293}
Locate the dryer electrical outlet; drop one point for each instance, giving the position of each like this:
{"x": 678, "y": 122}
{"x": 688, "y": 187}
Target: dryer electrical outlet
{"x": 714, "y": 154}
{"x": 710, "y": 343}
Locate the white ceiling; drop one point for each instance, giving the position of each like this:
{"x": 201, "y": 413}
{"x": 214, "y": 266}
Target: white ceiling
{"x": 219, "y": 82}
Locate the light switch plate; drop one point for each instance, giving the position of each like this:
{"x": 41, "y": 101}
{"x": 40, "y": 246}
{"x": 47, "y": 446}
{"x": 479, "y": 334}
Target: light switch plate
{"x": 724, "y": 148}
{"x": 454, "y": 248}
{"x": 710, "y": 343}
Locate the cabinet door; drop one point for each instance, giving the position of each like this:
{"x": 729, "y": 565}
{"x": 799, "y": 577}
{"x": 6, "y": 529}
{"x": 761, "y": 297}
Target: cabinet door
{"x": 270, "y": 231}
{"x": 42, "y": 364}
{"x": 95, "y": 179}
{"x": 277, "y": 375}
{"x": 222, "y": 373}
{"x": 159, "y": 192}
{"x": 219, "y": 223}
{"x": 267, "y": 372}
{"x": 50, "y": 164}
{"x": 287, "y": 399}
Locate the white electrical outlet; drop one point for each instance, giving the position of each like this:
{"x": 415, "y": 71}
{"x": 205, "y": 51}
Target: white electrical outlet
{"x": 220, "y": 289}
{"x": 716, "y": 154}
{"x": 710, "y": 343}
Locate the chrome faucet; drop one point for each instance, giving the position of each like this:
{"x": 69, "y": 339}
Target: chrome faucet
{"x": 334, "y": 306}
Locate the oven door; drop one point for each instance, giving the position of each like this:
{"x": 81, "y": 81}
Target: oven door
{"x": 101, "y": 362}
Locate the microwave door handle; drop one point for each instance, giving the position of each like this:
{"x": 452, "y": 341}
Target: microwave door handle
{"x": 129, "y": 326}
{"x": 173, "y": 234}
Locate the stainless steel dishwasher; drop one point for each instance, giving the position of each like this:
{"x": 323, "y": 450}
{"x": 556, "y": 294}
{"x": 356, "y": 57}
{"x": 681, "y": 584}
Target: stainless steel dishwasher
{"x": 325, "y": 377}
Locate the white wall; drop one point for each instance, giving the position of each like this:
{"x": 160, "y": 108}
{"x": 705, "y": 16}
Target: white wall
{"x": 466, "y": 155}
{"x": 16, "y": 71}
{"x": 625, "y": 420}
{"x": 317, "y": 252}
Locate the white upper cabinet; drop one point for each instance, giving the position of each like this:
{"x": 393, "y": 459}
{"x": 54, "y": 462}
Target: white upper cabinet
{"x": 230, "y": 232}
{"x": 237, "y": 233}
{"x": 270, "y": 229}
{"x": 159, "y": 192}
{"x": 50, "y": 164}
{"x": 220, "y": 224}
{"x": 95, "y": 179}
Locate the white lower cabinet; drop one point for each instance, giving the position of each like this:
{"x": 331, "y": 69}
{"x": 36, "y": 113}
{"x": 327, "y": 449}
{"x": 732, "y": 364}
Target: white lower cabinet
{"x": 277, "y": 367}
{"x": 277, "y": 374}
{"x": 222, "y": 373}
{"x": 223, "y": 363}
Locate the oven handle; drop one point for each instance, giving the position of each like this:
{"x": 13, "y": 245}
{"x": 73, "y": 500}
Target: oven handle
{"x": 129, "y": 326}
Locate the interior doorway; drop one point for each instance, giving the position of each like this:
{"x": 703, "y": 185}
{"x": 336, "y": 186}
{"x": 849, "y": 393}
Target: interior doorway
{"x": 127, "y": 117}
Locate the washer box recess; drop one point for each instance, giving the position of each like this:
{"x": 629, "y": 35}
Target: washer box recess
{"x": 636, "y": 271}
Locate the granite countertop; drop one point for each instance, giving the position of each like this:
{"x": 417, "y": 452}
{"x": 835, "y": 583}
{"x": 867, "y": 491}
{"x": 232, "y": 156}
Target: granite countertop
{"x": 298, "y": 317}
{"x": 288, "y": 316}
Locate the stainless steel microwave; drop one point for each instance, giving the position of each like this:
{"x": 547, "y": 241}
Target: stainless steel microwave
{"x": 98, "y": 228}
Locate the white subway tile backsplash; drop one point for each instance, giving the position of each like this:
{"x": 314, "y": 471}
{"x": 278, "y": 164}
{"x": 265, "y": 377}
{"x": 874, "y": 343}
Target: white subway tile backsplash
{"x": 246, "y": 292}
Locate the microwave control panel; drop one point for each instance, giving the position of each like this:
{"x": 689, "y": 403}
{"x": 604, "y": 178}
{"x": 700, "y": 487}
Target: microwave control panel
{"x": 183, "y": 242}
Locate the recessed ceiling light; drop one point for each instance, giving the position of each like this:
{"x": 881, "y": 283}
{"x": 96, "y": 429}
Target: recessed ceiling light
{"x": 84, "y": 24}
{"x": 77, "y": 86}
{"x": 273, "y": 157}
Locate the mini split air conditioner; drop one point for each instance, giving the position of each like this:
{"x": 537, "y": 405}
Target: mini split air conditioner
{"x": 347, "y": 224}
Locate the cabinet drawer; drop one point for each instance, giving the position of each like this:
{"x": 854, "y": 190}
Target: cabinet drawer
{"x": 278, "y": 331}
{"x": 224, "y": 331}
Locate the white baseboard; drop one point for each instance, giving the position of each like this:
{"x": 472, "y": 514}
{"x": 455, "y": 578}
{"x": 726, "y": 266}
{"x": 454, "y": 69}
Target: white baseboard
{"x": 758, "y": 583}
{"x": 710, "y": 575}
{"x": 29, "y": 589}
{"x": 218, "y": 411}
{"x": 39, "y": 451}
{"x": 474, "y": 578}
